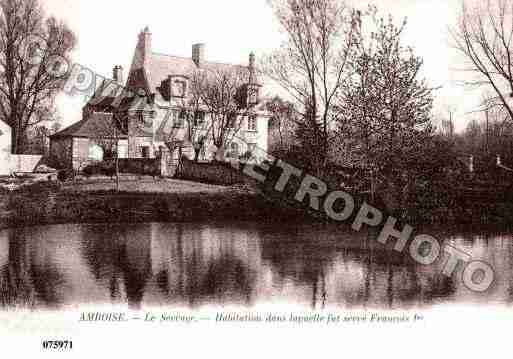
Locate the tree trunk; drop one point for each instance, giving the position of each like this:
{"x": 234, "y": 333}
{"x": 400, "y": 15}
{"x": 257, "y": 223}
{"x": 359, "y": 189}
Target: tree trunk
{"x": 16, "y": 141}
{"x": 117, "y": 172}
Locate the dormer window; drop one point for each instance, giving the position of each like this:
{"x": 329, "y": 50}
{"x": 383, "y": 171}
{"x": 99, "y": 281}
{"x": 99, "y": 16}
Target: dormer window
{"x": 177, "y": 85}
{"x": 179, "y": 88}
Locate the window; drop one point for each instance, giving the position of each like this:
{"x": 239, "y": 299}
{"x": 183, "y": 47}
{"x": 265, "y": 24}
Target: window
{"x": 253, "y": 95}
{"x": 179, "y": 88}
{"x": 145, "y": 151}
{"x": 252, "y": 123}
{"x": 232, "y": 120}
{"x": 199, "y": 118}
{"x": 96, "y": 152}
{"x": 234, "y": 150}
{"x": 179, "y": 118}
{"x": 252, "y": 148}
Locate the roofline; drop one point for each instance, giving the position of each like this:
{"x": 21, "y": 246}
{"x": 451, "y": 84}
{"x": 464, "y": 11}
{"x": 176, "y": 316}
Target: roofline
{"x": 207, "y": 61}
{"x": 56, "y": 135}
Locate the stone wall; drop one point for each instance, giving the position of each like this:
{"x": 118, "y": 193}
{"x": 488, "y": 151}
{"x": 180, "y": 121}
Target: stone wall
{"x": 216, "y": 173}
{"x": 141, "y": 166}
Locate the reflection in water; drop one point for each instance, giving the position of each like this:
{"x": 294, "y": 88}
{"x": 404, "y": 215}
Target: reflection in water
{"x": 238, "y": 263}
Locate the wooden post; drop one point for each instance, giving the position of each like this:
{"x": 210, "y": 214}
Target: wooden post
{"x": 117, "y": 157}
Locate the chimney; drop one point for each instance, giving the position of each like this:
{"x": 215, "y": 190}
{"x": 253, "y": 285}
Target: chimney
{"x": 198, "y": 53}
{"x": 253, "y": 88}
{"x": 144, "y": 46}
{"x": 252, "y": 69}
{"x": 117, "y": 74}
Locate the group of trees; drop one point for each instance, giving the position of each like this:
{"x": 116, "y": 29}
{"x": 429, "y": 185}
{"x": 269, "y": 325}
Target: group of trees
{"x": 357, "y": 96}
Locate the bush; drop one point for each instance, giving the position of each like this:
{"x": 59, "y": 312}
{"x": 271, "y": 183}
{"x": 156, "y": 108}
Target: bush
{"x": 65, "y": 175}
{"x": 88, "y": 171}
{"x": 100, "y": 168}
{"x": 42, "y": 187}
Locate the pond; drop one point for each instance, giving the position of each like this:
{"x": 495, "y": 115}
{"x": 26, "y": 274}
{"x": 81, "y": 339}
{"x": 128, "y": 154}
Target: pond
{"x": 243, "y": 264}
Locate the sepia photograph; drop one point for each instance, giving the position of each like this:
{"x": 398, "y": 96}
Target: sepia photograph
{"x": 203, "y": 177}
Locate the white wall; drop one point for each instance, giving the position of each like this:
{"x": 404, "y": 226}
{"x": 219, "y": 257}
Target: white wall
{"x": 5, "y": 149}
{"x": 244, "y": 137}
{"x": 10, "y": 163}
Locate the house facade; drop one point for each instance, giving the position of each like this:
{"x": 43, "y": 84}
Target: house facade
{"x": 151, "y": 111}
{"x": 87, "y": 141}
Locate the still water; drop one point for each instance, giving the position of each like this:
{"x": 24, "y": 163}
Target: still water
{"x": 245, "y": 264}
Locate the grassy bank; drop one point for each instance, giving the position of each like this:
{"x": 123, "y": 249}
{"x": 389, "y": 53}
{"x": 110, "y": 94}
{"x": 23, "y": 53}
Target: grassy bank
{"x": 162, "y": 201}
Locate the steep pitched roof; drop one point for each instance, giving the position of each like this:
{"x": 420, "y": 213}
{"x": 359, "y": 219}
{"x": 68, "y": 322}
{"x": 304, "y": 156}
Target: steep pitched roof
{"x": 110, "y": 97}
{"x": 97, "y": 125}
{"x": 159, "y": 67}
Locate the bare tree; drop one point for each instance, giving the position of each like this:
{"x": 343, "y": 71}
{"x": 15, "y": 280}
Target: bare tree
{"x": 27, "y": 87}
{"x": 223, "y": 94}
{"x": 178, "y": 126}
{"x": 484, "y": 36}
{"x": 191, "y": 108}
{"x": 282, "y": 126}
{"x": 447, "y": 121}
{"x": 312, "y": 64}
{"x": 109, "y": 134}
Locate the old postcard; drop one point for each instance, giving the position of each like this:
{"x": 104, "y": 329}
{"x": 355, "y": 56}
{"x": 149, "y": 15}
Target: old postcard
{"x": 289, "y": 178}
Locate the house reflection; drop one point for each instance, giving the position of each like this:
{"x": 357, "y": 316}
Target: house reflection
{"x": 119, "y": 257}
{"x": 195, "y": 265}
{"x": 238, "y": 263}
{"x": 169, "y": 264}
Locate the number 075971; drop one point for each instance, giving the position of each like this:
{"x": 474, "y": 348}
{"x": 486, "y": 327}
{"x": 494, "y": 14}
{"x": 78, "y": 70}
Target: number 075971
{"x": 57, "y": 344}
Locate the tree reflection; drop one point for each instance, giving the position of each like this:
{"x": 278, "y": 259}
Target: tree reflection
{"x": 29, "y": 278}
{"x": 350, "y": 269}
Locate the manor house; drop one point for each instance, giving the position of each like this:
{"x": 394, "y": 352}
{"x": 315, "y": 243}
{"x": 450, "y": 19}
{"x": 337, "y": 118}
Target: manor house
{"x": 163, "y": 84}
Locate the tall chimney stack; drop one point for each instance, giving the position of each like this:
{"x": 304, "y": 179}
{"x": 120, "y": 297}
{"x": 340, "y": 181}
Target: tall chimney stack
{"x": 198, "y": 53}
{"x": 252, "y": 68}
{"x": 143, "y": 51}
{"x": 117, "y": 74}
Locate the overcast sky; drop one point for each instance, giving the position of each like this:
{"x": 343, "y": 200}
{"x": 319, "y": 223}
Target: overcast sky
{"x": 107, "y": 34}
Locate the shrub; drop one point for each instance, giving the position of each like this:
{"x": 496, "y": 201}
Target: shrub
{"x": 100, "y": 168}
{"x": 42, "y": 187}
{"x": 65, "y": 175}
{"x": 108, "y": 169}
{"x": 88, "y": 171}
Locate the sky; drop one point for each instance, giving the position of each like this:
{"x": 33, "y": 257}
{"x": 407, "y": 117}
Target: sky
{"x": 107, "y": 33}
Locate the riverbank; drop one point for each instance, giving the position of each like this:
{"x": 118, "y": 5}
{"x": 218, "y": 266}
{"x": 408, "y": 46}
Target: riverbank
{"x": 137, "y": 201}
{"x": 144, "y": 199}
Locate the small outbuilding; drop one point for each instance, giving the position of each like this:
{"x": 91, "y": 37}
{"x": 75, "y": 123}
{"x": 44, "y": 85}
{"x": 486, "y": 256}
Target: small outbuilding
{"x": 91, "y": 140}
